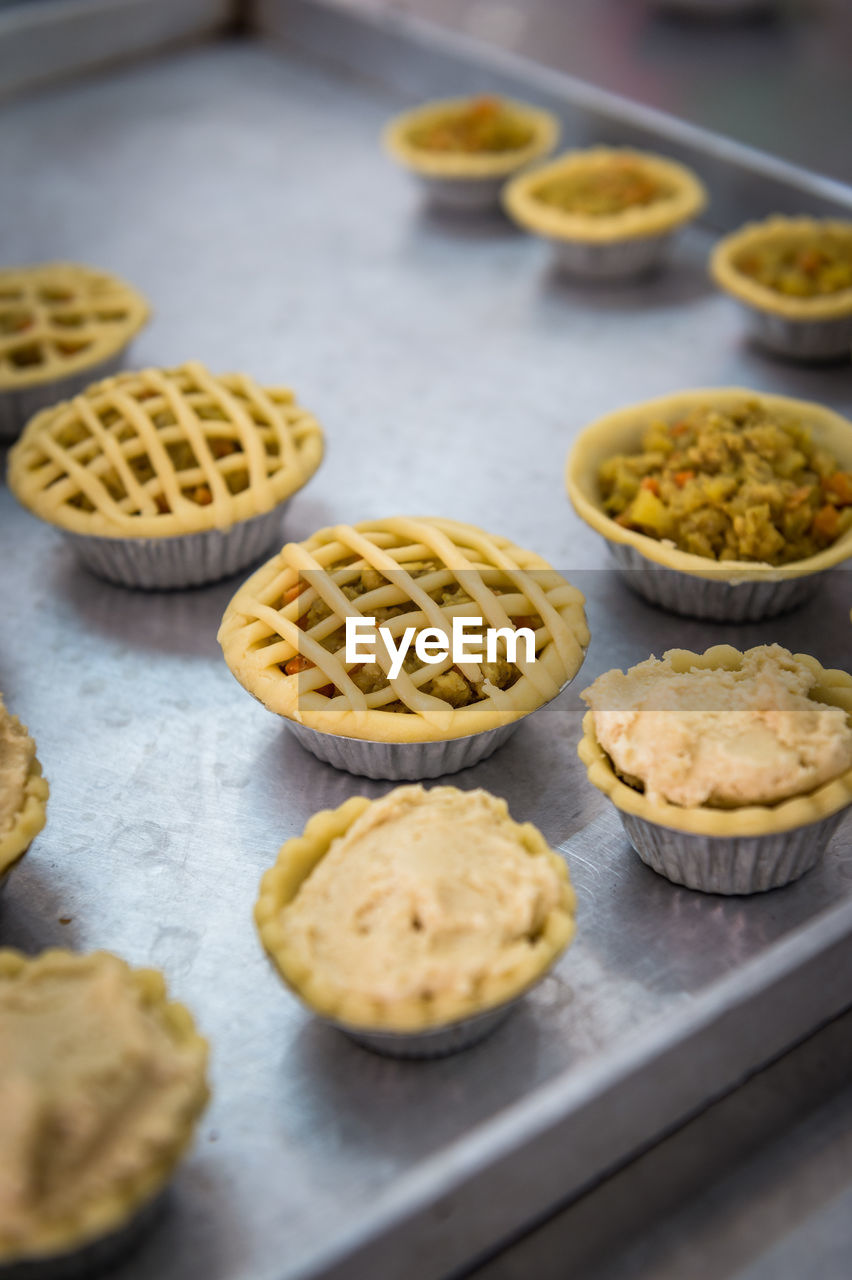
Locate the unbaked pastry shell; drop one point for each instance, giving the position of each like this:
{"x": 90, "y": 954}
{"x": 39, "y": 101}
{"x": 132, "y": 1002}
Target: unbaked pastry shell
{"x": 456, "y": 164}
{"x": 827, "y": 306}
{"x": 621, "y": 432}
{"x": 298, "y": 857}
{"x": 119, "y": 1203}
{"x": 833, "y": 687}
{"x": 651, "y": 220}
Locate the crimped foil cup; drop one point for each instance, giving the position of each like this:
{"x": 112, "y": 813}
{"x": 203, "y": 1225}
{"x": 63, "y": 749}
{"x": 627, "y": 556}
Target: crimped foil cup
{"x": 17, "y": 406}
{"x": 730, "y": 864}
{"x": 696, "y": 597}
{"x": 804, "y": 340}
{"x": 615, "y": 259}
{"x": 401, "y": 761}
{"x": 406, "y": 761}
{"x": 187, "y": 560}
{"x": 93, "y": 1258}
{"x": 472, "y": 195}
{"x": 433, "y": 1042}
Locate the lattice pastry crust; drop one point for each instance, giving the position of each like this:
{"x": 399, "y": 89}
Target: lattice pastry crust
{"x": 163, "y": 452}
{"x": 283, "y": 632}
{"x": 59, "y": 318}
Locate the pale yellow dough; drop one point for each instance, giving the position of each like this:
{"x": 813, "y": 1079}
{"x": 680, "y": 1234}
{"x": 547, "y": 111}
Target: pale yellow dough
{"x": 716, "y": 736}
{"x": 23, "y": 791}
{"x": 17, "y": 753}
{"x": 100, "y": 1081}
{"x": 426, "y": 894}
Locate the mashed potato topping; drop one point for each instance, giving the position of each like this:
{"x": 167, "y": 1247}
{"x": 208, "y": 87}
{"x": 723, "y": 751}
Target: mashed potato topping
{"x": 714, "y": 736}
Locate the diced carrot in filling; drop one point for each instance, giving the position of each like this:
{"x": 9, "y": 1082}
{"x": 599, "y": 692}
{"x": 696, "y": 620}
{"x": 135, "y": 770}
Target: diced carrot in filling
{"x": 297, "y": 664}
{"x": 825, "y": 524}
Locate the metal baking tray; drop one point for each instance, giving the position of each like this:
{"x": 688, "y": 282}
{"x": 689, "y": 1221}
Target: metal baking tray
{"x": 241, "y": 187}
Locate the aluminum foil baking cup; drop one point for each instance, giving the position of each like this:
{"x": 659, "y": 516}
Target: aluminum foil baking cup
{"x": 612, "y": 260}
{"x": 800, "y": 339}
{"x": 91, "y": 1259}
{"x": 401, "y": 761}
{"x": 696, "y": 597}
{"x": 730, "y": 864}
{"x": 433, "y": 1042}
{"x": 408, "y": 761}
{"x": 475, "y": 195}
{"x": 17, "y": 406}
{"x": 185, "y": 560}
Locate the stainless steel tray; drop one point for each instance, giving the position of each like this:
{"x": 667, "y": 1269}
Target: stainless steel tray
{"x": 242, "y": 188}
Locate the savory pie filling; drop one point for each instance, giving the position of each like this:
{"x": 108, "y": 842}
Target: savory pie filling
{"x": 446, "y": 681}
{"x": 601, "y": 190}
{"x": 710, "y": 735}
{"x": 428, "y": 893}
{"x": 807, "y": 265}
{"x": 483, "y": 125}
{"x": 730, "y": 484}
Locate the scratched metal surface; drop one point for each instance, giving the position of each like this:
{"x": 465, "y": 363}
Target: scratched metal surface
{"x": 245, "y": 194}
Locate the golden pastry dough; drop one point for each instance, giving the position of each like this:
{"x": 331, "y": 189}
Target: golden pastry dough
{"x": 542, "y": 126}
{"x": 830, "y": 686}
{"x": 164, "y": 451}
{"x": 415, "y": 573}
{"x": 60, "y": 318}
{"x": 415, "y": 910}
{"x": 23, "y": 791}
{"x": 681, "y": 198}
{"x": 101, "y": 1081}
{"x": 728, "y": 255}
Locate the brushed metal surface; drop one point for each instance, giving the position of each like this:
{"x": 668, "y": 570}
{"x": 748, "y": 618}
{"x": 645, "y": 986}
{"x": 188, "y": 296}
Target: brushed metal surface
{"x": 246, "y": 194}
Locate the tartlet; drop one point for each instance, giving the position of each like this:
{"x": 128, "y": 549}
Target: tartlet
{"x": 102, "y": 1080}
{"x": 283, "y": 638}
{"x": 23, "y": 792}
{"x": 62, "y": 325}
{"x": 167, "y": 477}
{"x": 609, "y": 212}
{"x": 766, "y": 266}
{"x": 414, "y": 922}
{"x": 457, "y": 174}
{"x": 726, "y": 844}
{"x": 695, "y": 585}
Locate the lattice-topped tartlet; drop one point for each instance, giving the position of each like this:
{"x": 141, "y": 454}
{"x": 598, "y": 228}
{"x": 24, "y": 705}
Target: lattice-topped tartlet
{"x": 144, "y": 458}
{"x": 283, "y": 636}
{"x": 61, "y": 326}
